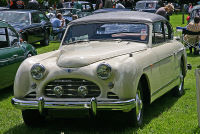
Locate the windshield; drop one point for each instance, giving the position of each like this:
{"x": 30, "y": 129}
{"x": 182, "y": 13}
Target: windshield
{"x": 145, "y": 5}
{"x": 111, "y": 31}
{"x": 15, "y": 17}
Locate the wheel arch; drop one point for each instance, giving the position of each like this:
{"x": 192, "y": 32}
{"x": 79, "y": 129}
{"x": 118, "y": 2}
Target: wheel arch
{"x": 183, "y": 64}
{"x": 145, "y": 88}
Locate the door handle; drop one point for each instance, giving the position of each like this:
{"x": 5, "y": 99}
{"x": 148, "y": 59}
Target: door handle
{"x": 15, "y": 56}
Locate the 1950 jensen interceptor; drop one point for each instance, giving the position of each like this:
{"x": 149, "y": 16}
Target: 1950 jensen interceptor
{"x": 107, "y": 61}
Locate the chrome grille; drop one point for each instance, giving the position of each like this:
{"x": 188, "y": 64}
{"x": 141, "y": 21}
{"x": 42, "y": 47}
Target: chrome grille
{"x": 112, "y": 95}
{"x": 31, "y": 95}
{"x": 70, "y": 88}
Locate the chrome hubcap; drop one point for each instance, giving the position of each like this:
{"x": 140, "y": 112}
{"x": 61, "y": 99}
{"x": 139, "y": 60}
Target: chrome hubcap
{"x": 139, "y": 105}
{"x": 181, "y": 81}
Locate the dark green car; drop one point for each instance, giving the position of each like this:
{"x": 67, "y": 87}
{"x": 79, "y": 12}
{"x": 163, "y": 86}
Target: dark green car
{"x": 12, "y": 53}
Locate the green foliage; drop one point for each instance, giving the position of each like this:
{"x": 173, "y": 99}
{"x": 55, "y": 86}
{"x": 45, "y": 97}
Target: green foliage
{"x": 168, "y": 114}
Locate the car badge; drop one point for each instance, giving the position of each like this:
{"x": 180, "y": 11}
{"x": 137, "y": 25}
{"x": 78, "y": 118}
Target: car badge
{"x": 82, "y": 91}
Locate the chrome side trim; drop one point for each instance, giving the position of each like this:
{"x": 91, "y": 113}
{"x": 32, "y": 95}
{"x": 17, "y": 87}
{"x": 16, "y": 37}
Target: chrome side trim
{"x": 158, "y": 90}
{"x": 161, "y": 60}
{"x": 92, "y": 105}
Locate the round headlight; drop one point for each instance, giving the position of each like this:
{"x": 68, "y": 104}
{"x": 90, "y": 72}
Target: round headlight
{"x": 37, "y": 71}
{"x": 104, "y": 71}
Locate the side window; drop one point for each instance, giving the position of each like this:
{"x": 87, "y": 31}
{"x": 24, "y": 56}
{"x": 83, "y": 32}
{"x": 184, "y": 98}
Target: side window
{"x": 13, "y": 38}
{"x": 35, "y": 18}
{"x": 42, "y": 17}
{"x": 158, "y": 34}
{"x": 3, "y": 38}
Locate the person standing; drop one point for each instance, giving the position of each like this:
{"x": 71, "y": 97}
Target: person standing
{"x": 165, "y": 11}
{"x": 193, "y": 39}
{"x": 190, "y": 8}
{"x": 119, "y": 5}
{"x": 99, "y": 4}
{"x": 58, "y": 24}
{"x": 13, "y": 4}
{"x": 46, "y": 4}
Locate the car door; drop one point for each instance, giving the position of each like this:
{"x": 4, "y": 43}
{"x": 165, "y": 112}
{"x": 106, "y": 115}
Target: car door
{"x": 45, "y": 25}
{"x": 164, "y": 50}
{"x": 11, "y": 55}
{"x": 36, "y": 27}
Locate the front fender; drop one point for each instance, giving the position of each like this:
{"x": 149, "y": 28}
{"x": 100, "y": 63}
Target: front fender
{"x": 127, "y": 77}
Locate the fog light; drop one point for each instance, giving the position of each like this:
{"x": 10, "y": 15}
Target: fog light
{"x": 33, "y": 86}
{"x": 58, "y": 91}
{"x": 82, "y": 91}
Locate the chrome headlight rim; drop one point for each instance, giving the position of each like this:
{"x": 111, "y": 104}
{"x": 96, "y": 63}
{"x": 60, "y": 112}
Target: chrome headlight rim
{"x": 109, "y": 73}
{"x": 41, "y": 73}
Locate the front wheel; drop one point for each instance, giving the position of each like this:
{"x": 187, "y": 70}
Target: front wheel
{"x": 179, "y": 90}
{"x": 136, "y": 115}
{"x": 32, "y": 117}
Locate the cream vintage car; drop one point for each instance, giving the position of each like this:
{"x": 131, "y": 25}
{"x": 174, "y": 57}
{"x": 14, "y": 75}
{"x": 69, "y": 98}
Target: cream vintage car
{"x": 107, "y": 61}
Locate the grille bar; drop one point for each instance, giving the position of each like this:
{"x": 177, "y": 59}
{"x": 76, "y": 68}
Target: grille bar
{"x": 70, "y": 88}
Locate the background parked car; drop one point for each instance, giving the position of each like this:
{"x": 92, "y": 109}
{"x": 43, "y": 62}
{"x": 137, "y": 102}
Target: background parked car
{"x": 105, "y": 10}
{"x": 147, "y": 6}
{"x": 108, "y": 61}
{"x": 12, "y": 53}
{"x": 32, "y": 25}
{"x": 68, "y": 13}
{"x": 87, "y": 7}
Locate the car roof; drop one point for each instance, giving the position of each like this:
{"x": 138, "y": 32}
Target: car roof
{"x": 110, "y": 10}
{"x": 146, "y": 1}
{"x": 82, "y": 2}
{"x": 121, "y": 16}
{"x": 21, "y": 10}
{"x": 196, "y": 7}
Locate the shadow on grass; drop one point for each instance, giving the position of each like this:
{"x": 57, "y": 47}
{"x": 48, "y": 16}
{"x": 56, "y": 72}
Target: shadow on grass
{"x": 6, "y": 93}
{"x": 196, "y": 130}
{"x": 107, "y": 122}
{"x": 192, "y": 55}
{"x": 159, "y": 106}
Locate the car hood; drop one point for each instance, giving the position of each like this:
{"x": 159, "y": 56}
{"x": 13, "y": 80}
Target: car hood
{"x": 86, "y": 53}
{"x": 18, "y": 26}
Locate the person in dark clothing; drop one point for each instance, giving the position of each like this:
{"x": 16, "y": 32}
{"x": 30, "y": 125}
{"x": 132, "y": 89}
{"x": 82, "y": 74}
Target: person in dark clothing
{"x": 20, "y": 4}
{"x": 165, "y": 11}
{"x": 128, "y": 4}
{"x": 99, "y": 4}
{"x": 13, "y": 4}
{"x": 60, "y": 4}
{"x": 33, "y": 4}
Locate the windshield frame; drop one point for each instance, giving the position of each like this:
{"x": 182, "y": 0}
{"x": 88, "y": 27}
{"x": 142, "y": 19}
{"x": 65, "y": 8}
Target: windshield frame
{"x": 120, "y": 22}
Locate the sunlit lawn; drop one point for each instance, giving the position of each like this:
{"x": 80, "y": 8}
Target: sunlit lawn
{"x": 166, "y": 115}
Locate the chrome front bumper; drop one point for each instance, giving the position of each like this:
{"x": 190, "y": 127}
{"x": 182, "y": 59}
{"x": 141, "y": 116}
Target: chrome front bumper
{"x": 92, "y": 105}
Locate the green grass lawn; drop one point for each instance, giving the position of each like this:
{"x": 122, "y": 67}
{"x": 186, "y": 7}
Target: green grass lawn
{"x": 168, "y": 114}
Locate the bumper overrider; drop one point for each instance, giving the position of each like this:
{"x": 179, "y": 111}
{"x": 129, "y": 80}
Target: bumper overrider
{"x": 92, "y": 105}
